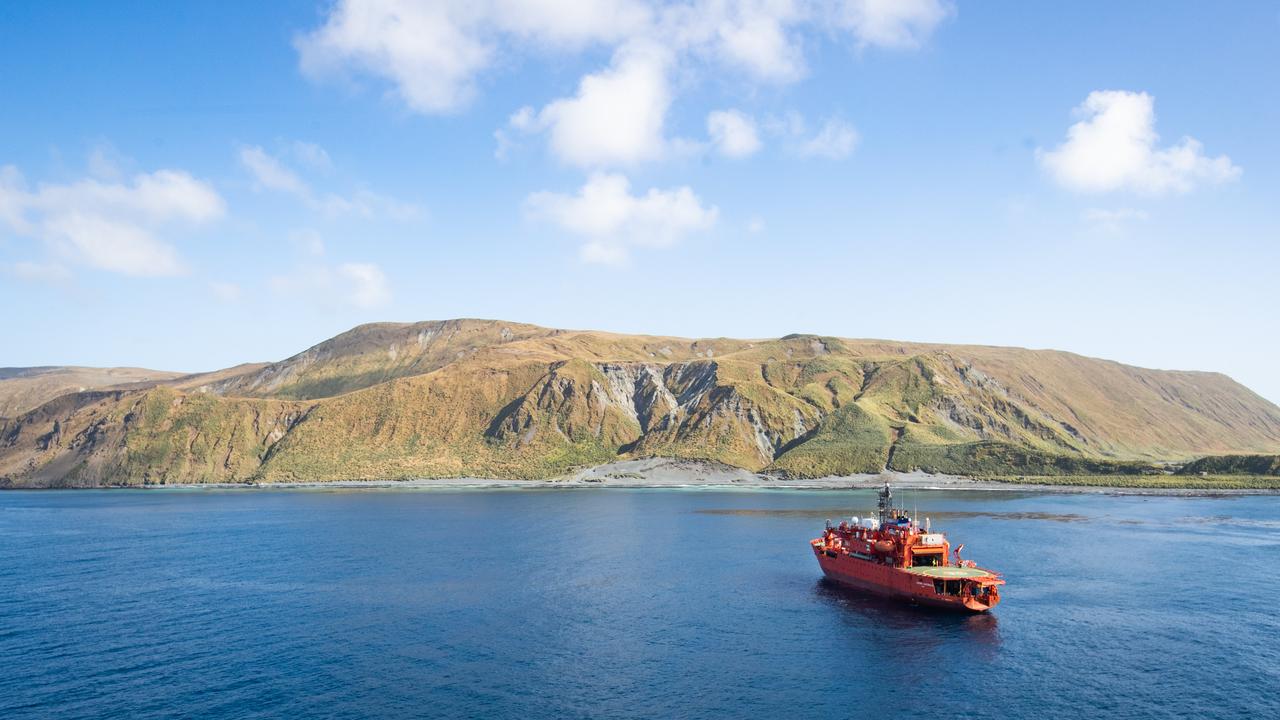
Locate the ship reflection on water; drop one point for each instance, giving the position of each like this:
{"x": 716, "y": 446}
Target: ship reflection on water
{"x": 860, "y": 610}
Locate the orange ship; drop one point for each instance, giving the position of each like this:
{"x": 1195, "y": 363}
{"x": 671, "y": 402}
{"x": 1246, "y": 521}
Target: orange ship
{"x": 891, "y": 555}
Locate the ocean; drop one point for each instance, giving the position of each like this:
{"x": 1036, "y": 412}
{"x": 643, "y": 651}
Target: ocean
{"x": 613, "y": 603}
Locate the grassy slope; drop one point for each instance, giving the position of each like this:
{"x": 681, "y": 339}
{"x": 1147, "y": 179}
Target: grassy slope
{"x": 153, "y": 436}
{"x": 371, "y": 354}
{"x": 24, "y": 389}
{"x": 473, "y": 397}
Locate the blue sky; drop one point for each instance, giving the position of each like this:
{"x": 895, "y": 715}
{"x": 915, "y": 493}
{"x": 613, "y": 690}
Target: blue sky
{"x": 192, "y": 185}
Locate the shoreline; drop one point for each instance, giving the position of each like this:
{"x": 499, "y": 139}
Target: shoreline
{"x": 666, "y": 473}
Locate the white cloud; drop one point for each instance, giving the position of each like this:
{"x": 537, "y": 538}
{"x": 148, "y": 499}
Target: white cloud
{"x": 360, "y": 286}
{"x": 612, "y": 221}
{"x": 759, "y": 37}
{"x": 1114, "y": 147}
{"x": 523, "y": 121}
{"x": 835, "y": 140}
{"x": 733, "y": 133}
{"x": 432, "y": 53}
{"x": 369, "y": 204}
{"x": 270, "y": 173}
{"x": 311, "y": 155}
{"x": 429, "y": 58}
{"x": 368, "y": 287}
{"x": 616, "y": 117}
{"x": 331, "y": 287}
{"x": 568, "y": 23}
{"x": 115, "y": 245}
{"x": 110, "y": 225}
{"x": 889, "y": 23}
{"x": 755, "y": 225}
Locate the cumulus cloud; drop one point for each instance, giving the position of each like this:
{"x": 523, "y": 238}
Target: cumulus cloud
{"x": 270, "y": 173}
{"x": 732, "y": 133}
{"x": 1114, "y": 146}
{"x": 889, "y": 23}
{"x": 835, "y": 140}
{"x": 430, "y": 59}
{"x": 617, "y": 115}
{"x": 431, "y": 54}
{"x": 432, "y": 51}
{"x": 110, "y": 225}
{"x": 757, "y": 37}
{"x": 611, "y": 220}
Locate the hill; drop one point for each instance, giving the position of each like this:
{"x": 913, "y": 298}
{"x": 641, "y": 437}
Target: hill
{"x": 489, "y": 398}
{"x": 23, "y": 389}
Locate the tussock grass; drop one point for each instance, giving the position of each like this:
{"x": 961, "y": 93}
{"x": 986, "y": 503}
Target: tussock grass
{"x": 1163, "y": 482}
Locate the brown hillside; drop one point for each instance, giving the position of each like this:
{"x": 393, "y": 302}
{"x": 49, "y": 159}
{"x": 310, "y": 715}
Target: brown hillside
{"x": 474, "y": 397}
{"x": 23, "y": 389}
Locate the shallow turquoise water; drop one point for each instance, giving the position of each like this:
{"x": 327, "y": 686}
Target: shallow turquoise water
{"x": 621, "y": 603}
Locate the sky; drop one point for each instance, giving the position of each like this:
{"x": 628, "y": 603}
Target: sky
{"x": 189, "y": 186}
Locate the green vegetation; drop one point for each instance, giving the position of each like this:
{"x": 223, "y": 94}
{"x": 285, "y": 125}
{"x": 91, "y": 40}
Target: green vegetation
{"x": 850, "y": 441}
{"x": 994, "y": 459}
{"x": 1154, "y": 482}
{"x": 1234, "y": 465}
{"x": 487, "y": 398}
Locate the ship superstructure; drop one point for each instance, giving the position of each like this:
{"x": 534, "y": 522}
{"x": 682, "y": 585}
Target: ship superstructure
{"x": 891, "y": 554}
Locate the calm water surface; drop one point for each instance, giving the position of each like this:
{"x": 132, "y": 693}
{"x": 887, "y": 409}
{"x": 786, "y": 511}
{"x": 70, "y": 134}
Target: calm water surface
{"x": 621, "y": 603}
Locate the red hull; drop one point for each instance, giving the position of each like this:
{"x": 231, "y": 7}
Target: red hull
{"x": 892, "y": 582}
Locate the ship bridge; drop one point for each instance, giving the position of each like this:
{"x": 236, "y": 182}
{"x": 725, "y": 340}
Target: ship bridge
{"x": 949, "y": 572}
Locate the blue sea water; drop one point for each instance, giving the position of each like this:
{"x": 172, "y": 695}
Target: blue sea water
{"x": 622, "y": 603}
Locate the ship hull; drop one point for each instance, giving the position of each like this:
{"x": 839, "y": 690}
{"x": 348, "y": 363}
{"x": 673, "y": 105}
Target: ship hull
{"x": 891, "y": 582}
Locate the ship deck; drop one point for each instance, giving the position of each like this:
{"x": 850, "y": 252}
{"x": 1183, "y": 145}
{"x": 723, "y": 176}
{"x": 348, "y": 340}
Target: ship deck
{"x": 948, "y": 572}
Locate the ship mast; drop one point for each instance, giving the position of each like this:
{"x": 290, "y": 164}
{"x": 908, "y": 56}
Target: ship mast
{"x": 886, "y": 504}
